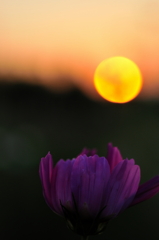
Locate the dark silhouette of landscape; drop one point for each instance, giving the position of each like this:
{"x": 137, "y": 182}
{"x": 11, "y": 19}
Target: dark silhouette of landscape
{"x": 34, "y": 120}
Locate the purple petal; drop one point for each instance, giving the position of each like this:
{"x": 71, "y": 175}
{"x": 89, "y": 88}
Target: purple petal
{"x": 45, "y": 171}
{"x": 89, "y": 179}
{"x": 88, "y": 152}
{"x": 61, "y": 190}
{"x": 122, "y": 187}
{"x": 146, "y": 190}
{"x": 113, "y": 156}
{"x": 99, "y": 180}
{"x": 79, "y": 178}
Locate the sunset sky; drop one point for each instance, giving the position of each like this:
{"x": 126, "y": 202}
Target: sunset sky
{"x": 60, "y": 43}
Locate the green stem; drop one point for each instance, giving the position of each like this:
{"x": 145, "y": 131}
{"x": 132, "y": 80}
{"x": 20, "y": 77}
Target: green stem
{"x": 84, "y": 238}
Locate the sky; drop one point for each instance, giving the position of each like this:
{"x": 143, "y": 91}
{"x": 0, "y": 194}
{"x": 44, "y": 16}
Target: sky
{"x": 60, "y": 43}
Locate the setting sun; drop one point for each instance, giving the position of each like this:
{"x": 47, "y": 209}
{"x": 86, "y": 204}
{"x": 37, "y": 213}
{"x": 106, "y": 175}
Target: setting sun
{"x": 118, "y": 79}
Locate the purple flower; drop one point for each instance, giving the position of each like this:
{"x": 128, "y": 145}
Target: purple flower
{"x": 90, "y": 190}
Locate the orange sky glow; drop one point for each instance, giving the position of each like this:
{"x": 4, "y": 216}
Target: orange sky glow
{"x": 60, "y": 43}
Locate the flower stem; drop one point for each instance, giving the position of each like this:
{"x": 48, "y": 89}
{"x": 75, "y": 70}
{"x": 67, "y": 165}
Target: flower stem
{"x": 84, "y": 238}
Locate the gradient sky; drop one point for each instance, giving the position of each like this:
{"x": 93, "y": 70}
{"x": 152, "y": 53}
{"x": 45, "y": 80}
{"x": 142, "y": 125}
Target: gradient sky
{"x": 65, "y": 38}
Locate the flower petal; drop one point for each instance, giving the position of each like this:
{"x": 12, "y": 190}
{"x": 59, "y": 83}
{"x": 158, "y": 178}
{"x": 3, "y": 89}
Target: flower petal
{"x": 122, "y": 187}
{"x": 80, "y": 180}
{"x": 89, "y": 179}
{"x": 45, "y": 171}
{"x": 88, "y": 152}
{"x": 146, "y": 190}
{"x": 113, "y": 156}
{"x": 61, "y": 190}
{"x": 98, "y": 184}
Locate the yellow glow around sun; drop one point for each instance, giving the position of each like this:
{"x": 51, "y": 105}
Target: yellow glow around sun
{"x": 118, "y": 79}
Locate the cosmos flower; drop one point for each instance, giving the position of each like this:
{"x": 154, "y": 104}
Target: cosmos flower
{"x": 90, "y": 190}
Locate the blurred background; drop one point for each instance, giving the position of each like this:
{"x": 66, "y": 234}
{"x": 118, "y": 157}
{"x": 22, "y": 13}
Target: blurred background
{"x": 49, "y": 51}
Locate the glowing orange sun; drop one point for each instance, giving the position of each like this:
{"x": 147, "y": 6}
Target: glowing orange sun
{"x": 118, "y": 79}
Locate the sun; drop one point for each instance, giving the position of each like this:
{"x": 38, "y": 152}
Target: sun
{"x": 118, "y": 79}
